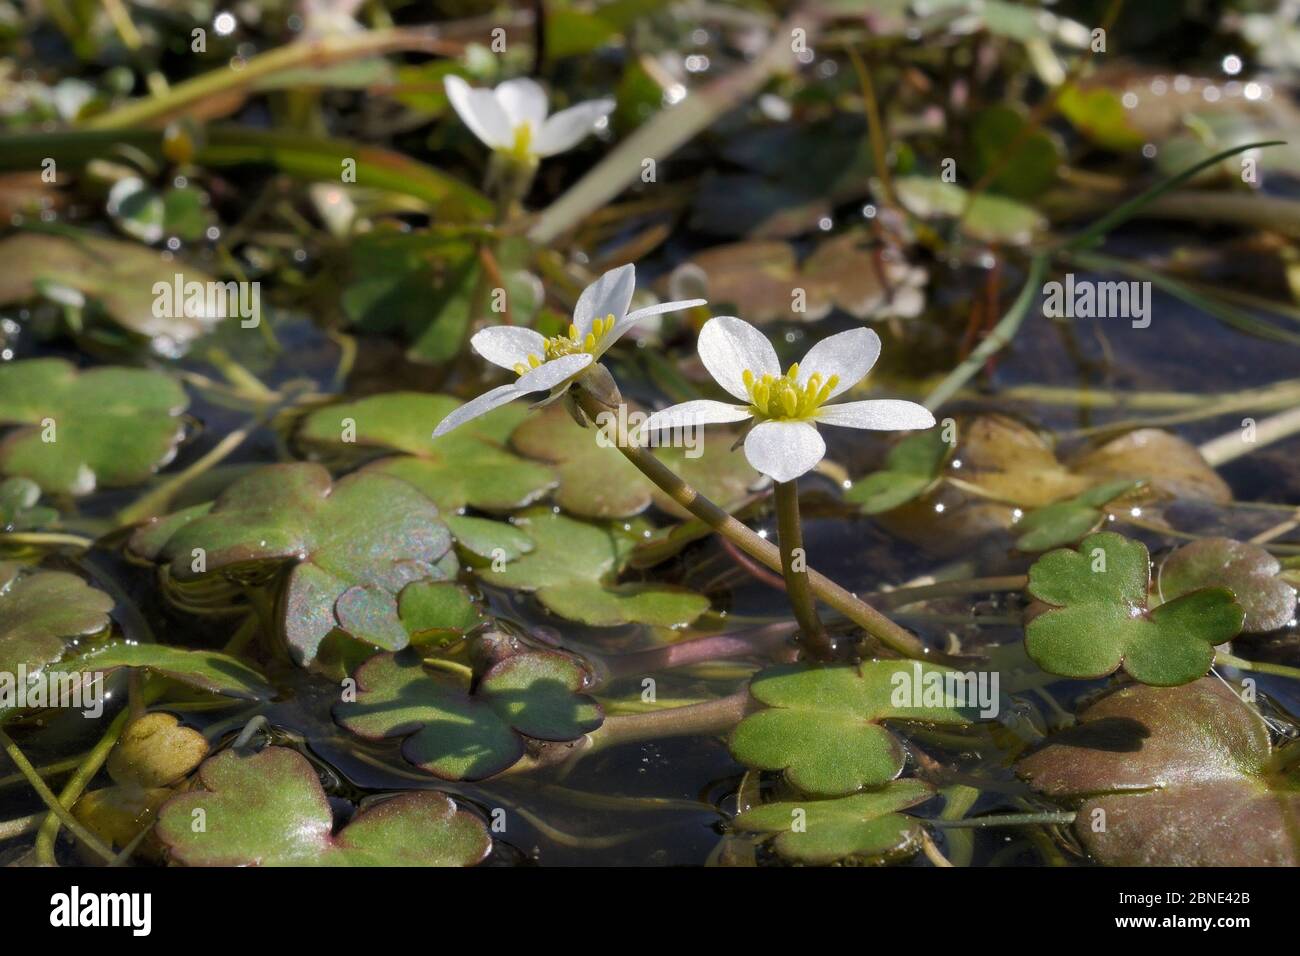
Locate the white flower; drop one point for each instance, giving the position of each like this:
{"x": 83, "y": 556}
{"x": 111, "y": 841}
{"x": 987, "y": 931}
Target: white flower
{"x": 784, "y": 442}
{"x": 599, "y": 320}
{"x": 513, "y": 118}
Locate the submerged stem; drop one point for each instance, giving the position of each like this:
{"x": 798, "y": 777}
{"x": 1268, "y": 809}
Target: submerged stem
{"x": 794, "y": 565}
{"x": 846, "y": 603}
{"x": 59, "y": 811}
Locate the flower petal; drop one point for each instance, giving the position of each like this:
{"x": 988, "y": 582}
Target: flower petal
{"x": 784, "y": 450}
{"x": 552, "y": 373}
{"x": 478, "y": 406}
{"x": 632, "y": 318}
{"x": 884, "y": 415}
{"x": 523, "y": 101}
{"x": 611, "y": 294}
{"x": 545, "y": 376}
{"x": 848, "y": 355}
{"x": 480, "y": 111}
{"x": 728, "y": 346}
{"x": 508, "y": 345}
{"x": 566, "y": 128}
{"x": 699, "y": 412}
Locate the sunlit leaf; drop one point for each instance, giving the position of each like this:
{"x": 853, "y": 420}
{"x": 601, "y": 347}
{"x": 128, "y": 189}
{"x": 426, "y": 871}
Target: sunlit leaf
{"x": 1250, "y": 572}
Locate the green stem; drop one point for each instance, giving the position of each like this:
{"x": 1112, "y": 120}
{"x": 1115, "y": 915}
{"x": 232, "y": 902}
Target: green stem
{"x": 794, "y": 565}
{"x": 1259, "y": 667}
{"x": 694, "y": 720}
{"x": 319, "y": 53}
{"x": 1006, "y": 820}
{"x": 59, "y": 811}
{"x": 75, "y": 786}
{"x": 901, "y": 597}
{"x": 847, "y": 604}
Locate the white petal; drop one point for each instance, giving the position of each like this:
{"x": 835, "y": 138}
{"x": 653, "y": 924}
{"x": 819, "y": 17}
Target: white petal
{"x": 632, "y": 318}
{"x": 544, "y": 377}
{"x": 699, "y": 412}
{"x": 784, "y": 450}
{"x": 552, "y": 373}
{"x": 884, "y": 415}
{"x": 849, "y": 355}
{"x": 508, "y": 345}
{"x": 478, "y": 406}
{"x": 566, "y": 128}
{"x": 611, "y": 294}
{"x": 728, "y": 346}
{"x": 523, "y": 101}
{"x": 481, "y": 112}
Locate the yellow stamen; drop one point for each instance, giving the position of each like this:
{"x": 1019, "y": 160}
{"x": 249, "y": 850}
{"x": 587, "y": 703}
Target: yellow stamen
{"x": 571, "y": 344}
{"x": 782, "y": 397}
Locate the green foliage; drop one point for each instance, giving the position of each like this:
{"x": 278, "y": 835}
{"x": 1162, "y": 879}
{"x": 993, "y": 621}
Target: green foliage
{"x": 468, "y": 467}
{"x": 353, "y": 546}
{"x": 1099, "y": 620}
{"x": 1065, "y": 522}
{"x": 866, "y": 825}
{"x": 268, "y": 809}
{"x": 822, "y": 725}
{"x": 455, "y": 735}
{"x": 573, "y": 570}
{"x": 40, "y": 611}
{"x": 109, "y": 426}
{"x": 911, "y": 468}
{"x": 1250, "y": 572}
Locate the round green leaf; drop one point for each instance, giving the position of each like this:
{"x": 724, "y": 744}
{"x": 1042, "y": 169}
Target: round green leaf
{"x": 470, "y": 466}
{"x": 1100, "y": 620}
{"x": 355, "y": 544}
{"x": 268, "y": 809}
{"x": 40, "y": 612}
{"x": 572, "y": 567}
{"x": 80, "y": 430}
{"x": 455, "y": 735}
{"x": 864, "y": 825}
{"x": 822, "y": 725}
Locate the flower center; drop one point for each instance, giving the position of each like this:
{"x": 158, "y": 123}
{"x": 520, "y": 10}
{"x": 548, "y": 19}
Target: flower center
{"x": 782, "y": 396}
{"x": 522, "y": 148}
{"x": 571, "y": 344}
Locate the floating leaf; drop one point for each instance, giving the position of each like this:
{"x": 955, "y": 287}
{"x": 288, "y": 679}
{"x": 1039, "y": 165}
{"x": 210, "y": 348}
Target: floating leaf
{"x": 81, "y": 430}
{"x": 354, "y": 545}
{"x": 1250, "y": 572}
{"x": 573, "y": 568}
{"x": 206, "y": 670}
{"x": 40, "y": 612}
{"x": 470, "y": 466}
{"x": 269, "y": 810}
{"x": 1099, "y": 114}
{"x": 1172, "y": 466}
{"x": 1029, "y": 170}
{"x": 911, "y": 467}
{"x": 864, "y": 825}
{"x": 1065, "y": 522}
{"x": 989, "y": 219}
{"x": 596, "y": 481}
{"x": 155, "y": 751}
{"x": 483, "y": 540}
{"x": 120, "y": 275}
{"x": 822, "y": 725}
{"x": 1181, "y": 776}
{"x": 1100, "y": 621}
{"x": 20, "y": 508}
{"x": 456, "y": 735}
{"x": 436, "y": 611}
